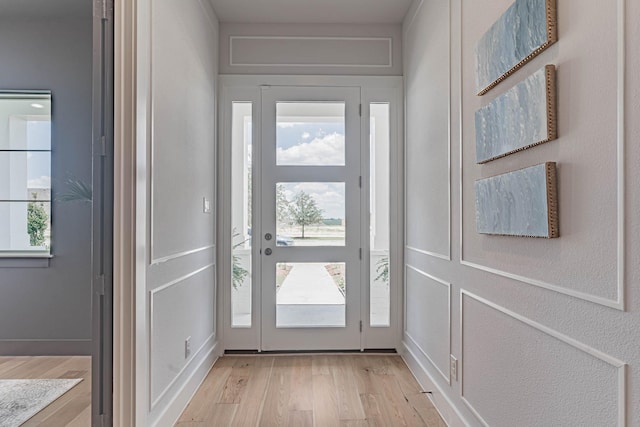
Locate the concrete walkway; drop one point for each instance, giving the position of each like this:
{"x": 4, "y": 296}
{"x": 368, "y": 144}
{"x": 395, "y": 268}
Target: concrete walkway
{"x": 309, "y": 283}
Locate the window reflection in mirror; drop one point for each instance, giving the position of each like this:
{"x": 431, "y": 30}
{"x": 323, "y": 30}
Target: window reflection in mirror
{"x": 25, "y": 173}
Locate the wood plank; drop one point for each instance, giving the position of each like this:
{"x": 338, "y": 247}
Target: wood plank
{"x": 320, "y": 364}
{"x": 348, "y": 395}
{"x": 395, "y": 409}
{"x": 406, "y": 381}
{"x": 275, "y": 410}
{"x": 425, "y": 409}
{"x": 300, "y": 419}
{"x": 301, "y": 398}
{"x": 252, "y": 402}
{"x": 83, "y": 419}
{"x": 10, "y": 363}
{"x": 221, "y": 414}
{"x": 355, "y": 423}
{"x": 373, "y": 408}
{"x": 325, "y": 402}
{"x": 35, "y": 367}
{"x": 199, "y": 408}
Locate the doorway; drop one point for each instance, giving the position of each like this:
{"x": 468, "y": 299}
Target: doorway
{"x": 56, "y": 198}
{"x": 308, "y": 218}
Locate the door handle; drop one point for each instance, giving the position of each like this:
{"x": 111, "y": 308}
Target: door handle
{"x": 268, "y": 251}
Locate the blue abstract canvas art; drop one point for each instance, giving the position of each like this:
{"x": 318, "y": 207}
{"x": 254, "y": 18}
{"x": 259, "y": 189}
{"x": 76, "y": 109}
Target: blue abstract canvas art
{"x": 522, "y": 32}
{"x": 521, "y": 118}
{"x": 519, "y": 203}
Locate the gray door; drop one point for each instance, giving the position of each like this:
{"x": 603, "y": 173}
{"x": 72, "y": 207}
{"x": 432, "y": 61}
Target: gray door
{"x": 102, "y": 268}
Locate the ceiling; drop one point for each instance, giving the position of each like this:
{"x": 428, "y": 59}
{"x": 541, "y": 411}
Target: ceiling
{"x": 311, "y": 11}
{"x": 11, "y": 9}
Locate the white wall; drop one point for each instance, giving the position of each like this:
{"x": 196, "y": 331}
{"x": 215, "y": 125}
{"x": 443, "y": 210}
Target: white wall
{"x": 180, "y": 271}
{"x": 332, "y": 49}
{"x": 545, "y": 331}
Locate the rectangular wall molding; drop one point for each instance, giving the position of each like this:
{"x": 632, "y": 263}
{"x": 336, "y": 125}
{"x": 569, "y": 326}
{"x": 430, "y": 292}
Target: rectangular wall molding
{"x": 155, "y": 400}
{"x": 298, "y": 51}
{"x": 413, "y": 13}
{"x": 437, "y": 282}
{"x": 619, "y": 302}
{"x": 618, "y": 365}
{"x": 162, "y": 260}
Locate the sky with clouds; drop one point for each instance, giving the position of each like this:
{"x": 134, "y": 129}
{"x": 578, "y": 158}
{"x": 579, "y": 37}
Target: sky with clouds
{"x": 319, "y": 144}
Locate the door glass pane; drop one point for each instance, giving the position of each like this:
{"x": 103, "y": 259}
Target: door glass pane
{"x": 379, "y": 216}
{"x": 310, "y": 295}
{"x": 310, "y": 133}
{"x": 241, "y": 147}
{"x": 310, "y": 214}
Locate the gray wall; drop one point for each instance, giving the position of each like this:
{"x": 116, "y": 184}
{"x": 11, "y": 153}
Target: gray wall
{"x": 545, "y": 331}
{"x": 48, "y": 310}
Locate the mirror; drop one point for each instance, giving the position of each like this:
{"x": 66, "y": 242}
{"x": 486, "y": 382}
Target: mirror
{"x": 25, "y": 173}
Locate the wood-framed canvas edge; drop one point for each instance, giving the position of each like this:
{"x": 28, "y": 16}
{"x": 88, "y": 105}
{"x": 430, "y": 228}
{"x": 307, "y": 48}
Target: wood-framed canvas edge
{"x": 552, "y": 202}
{"x": 552, "y": 37}
{"x": 552, "y": 121}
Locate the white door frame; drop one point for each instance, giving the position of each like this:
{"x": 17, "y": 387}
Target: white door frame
{"x": 246, "y": 88}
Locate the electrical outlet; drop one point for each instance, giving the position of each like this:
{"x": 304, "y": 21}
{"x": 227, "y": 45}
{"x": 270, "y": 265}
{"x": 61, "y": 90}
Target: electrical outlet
{"x": 206, "y": 205}
{"x": 454, "y": 367}
{"x": 187, "y": 347}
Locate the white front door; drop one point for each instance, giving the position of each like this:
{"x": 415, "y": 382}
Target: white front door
{"x": 310, "y": 218}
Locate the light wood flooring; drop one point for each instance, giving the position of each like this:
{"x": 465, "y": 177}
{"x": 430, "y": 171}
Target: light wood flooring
{"x": 310, "y": 390}
{"x": 72, "y": 408}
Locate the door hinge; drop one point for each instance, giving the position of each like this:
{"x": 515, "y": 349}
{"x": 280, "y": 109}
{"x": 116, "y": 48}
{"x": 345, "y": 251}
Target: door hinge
{"x": 100, "y": 285}
{"x": 103, "y": 9}
{"x": 360, "y": 253}
{"x": 360, "y": 110}
{"x": 103, "y": 146}
{"x": 360, "y": 181}
{"x": 361, "y": 326}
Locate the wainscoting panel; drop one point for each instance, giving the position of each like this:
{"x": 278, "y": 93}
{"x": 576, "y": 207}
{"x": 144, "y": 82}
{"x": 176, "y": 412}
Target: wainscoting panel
{"x": 515, "y": 371}
{"x": 428, "y": 317}
{"x": 588, "y": 260}
{"x": 428, "y": 136}
{"x": 177, "y": 310}
{"x": 182, "y": 145}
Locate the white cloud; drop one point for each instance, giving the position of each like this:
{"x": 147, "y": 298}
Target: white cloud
{"x": 328, "y": 150}
{"x": 306, "y": 135}
{"x": 42, "y": 182}
{"x": 329, "y": 196}
{"x": 285, "y": 125}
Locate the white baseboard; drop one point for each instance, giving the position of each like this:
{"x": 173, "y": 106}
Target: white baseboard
{"x": 177, "y": 405}
{"x": 449, "y": 413}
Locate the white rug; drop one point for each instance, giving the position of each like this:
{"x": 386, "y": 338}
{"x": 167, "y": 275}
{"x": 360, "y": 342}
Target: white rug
{"x": 22, "y": 399}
